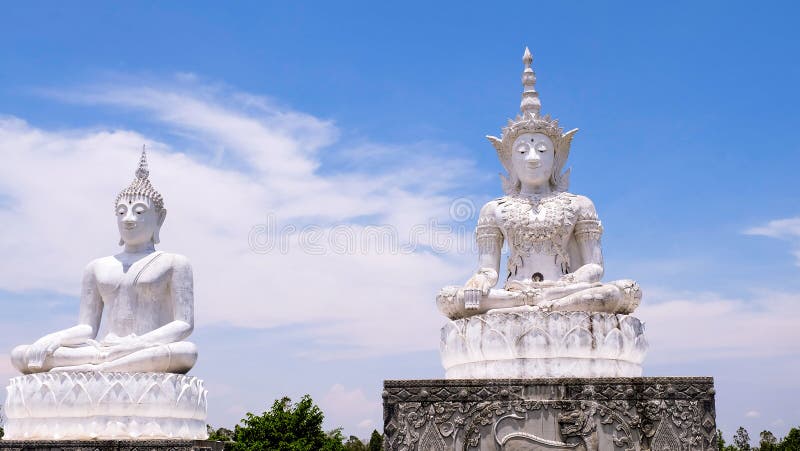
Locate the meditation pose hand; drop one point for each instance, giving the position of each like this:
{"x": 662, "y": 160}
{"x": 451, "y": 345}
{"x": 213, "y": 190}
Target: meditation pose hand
{"x": 146, "y": 296}
{"x": 555, "y": 261}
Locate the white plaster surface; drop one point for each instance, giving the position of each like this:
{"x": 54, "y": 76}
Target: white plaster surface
{"x": 102, "y": 405}
{"x": 536, "y": 344}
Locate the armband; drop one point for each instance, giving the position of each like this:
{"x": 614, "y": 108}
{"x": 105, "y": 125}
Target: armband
{"x": 588, "y": 229}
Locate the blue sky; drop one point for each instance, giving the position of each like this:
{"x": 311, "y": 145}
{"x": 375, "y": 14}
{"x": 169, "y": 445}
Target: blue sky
{"x": 363, "y": 114}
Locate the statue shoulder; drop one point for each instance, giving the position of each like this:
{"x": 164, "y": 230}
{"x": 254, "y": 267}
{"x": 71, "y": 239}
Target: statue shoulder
{"x": 178, "y": 261}
{"x": 490, "y": 209}
{"x": 584, "y": 207}
{"x": 92, "y": 267}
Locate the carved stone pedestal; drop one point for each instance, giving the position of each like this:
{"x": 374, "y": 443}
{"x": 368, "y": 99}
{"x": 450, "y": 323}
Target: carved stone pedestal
{"x": 534, "y": 344}
{"x": 112, "y": 445}
{"x": 105, "y": 406}
{"x": 588, "y": 414}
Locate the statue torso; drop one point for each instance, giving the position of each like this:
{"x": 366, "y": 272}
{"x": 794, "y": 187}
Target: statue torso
{"x": 538, "y": 231}
{"x": 135, "y": 291}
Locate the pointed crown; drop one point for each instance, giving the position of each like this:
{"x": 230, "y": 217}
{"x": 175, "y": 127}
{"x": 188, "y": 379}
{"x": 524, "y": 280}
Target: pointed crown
{"x": 141, "y": 186}
{"x": 530, "y": 121}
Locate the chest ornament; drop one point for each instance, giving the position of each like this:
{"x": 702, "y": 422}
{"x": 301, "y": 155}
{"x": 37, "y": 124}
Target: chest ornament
{"x": 537, "y": 225}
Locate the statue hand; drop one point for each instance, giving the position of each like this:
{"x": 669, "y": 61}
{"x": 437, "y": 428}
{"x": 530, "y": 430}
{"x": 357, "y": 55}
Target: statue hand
{"x": 483, "y": 280}
{"x": 114, "y": 347}
{"x": 41, "y": 349}
{"x": 549, "y": 284}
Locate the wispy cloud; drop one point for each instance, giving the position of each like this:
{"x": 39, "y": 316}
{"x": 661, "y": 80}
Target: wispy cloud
{"x": 779, "y": 228}
{"x": 367, "y": 303}
{"x": 783, "y": 229}
{"x": 351, "y": 407}
{"x": 692, "y": 326}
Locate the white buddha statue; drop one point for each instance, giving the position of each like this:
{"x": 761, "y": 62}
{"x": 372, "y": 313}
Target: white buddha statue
{"x": 146, "y": 295}
{"x": 555, "y": 261}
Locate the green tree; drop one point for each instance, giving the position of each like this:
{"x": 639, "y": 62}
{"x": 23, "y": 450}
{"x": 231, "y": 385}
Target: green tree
{"x": 221, "y": 434}
{"x": 767, "y": 441}
{"x": 791, "y": 442}
{"x": 375, "y": 441}
{"x": 742, "y": 439}
{"x": 287, "y": 427}
{"x": 354, "y": 444}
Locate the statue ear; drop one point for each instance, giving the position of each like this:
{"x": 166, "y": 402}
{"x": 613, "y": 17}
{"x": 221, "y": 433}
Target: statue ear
{"x": 162, "y": 215}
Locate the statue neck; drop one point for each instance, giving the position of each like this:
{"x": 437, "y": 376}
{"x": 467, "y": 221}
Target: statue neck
{"x": 535, "y": 190}
{"x": 143, "y": 248}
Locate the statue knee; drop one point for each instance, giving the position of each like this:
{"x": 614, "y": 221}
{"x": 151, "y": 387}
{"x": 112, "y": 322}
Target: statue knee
{"x": 183, "y": 356}
{"x": 630, "y": 294}
{"x": 18, "y": 358}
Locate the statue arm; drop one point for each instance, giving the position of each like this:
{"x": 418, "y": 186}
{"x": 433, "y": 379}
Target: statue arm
{"x": 182, "y": 297}
{"x": 91, "y": 310}
{"x": 587, "y": 233}
{"x": 489, "y": 239}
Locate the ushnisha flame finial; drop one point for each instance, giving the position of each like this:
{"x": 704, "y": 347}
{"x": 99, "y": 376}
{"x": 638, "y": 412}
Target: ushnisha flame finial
{"x": 141, "y": 186}
{"x": 142, "y": 172}
{"x": 530, "y": 98}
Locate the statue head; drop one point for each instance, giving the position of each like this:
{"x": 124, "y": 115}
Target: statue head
{"x": 531, "y": 129}
{"x": 140, "y": 209}
{"x": 532, "y": 156}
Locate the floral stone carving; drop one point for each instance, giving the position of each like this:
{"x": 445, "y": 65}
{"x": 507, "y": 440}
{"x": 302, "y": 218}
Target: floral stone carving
{"x": 598, "y": 414}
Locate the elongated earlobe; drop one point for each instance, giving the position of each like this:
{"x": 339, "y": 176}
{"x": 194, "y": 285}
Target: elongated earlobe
{"x": 162, "y": 215}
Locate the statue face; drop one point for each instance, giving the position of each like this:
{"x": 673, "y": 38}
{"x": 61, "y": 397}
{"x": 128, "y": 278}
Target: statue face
{"x": 532, "y": 157}
{"x": 139, "y": 221}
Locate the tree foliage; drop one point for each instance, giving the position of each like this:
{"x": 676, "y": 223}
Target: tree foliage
{"x": 791, "y": 442}
{"x": 767, "y": 441}
{"x": 354, "y": 444}
{"x": 286, "y": 427}
{"x": 375, "y": 441}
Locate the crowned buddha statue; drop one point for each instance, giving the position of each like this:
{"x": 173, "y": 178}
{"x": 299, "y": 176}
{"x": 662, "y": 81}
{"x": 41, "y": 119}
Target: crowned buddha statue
{"x": 553, "y": 316}
{"x": 144, "y": 294}
{"x": 555, "y": 260}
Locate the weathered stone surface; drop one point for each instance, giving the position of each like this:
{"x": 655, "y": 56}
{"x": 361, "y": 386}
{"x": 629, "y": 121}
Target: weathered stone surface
{"x": 599, "y": 414}
{"x": 112, "y": 445}
{"x": 105, "y": 406}
{"x": 536, "y": 344}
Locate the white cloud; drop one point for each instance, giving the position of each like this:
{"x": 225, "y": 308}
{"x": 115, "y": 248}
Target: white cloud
{"x": 350, "y": 407}
{"x": 57, "y": 187}
{"x": 752, "y": 414}
{"x": 693, "y": 326}
{"x": 779, "y": 228}
{"x": 784, "y": 229}
{"x": 365, "y": 424}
